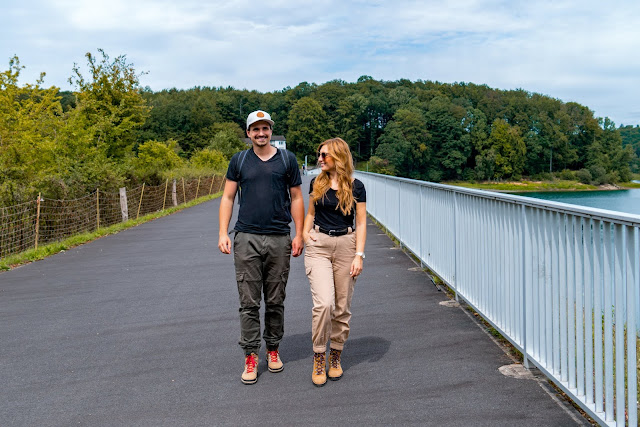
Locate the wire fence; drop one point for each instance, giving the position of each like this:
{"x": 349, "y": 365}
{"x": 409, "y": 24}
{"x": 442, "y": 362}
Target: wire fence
{"x": 41, "y": 221}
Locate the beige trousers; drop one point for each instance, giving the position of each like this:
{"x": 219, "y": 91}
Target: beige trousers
{"x": 327, "y": 262}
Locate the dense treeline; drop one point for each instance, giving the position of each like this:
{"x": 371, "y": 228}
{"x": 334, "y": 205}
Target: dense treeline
{"x": 631, "y": 137}
{"x": 426, "y": 130}
{"x": 111, "y": 132}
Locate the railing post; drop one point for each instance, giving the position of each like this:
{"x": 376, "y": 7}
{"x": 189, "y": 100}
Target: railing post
{"x": 97, "y": 208}
{"x": 421, "y": 221}
{"x": 174, "y": 193}
{"x": 164, "y": 199}
{"x": 213, "y": 178}
{"x": 140, "y": 204}
{"x": 454, "y": 282}
{"x": 38, "y": 218}
{"x": 523, "y": 313}
{"x": 124, "y": 207}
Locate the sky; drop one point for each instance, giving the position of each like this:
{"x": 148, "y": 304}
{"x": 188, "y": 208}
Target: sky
{"x": 583, "y": 51}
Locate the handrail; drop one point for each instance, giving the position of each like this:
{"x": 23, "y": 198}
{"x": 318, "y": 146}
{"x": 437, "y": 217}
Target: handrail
{"x": 559, "y": 281}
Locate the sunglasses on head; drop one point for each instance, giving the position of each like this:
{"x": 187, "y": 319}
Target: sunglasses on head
{"x": 323, "y": 155}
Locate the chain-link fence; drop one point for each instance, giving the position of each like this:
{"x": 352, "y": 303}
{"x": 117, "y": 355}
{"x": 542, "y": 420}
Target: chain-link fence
{"x": 41, "y": 221}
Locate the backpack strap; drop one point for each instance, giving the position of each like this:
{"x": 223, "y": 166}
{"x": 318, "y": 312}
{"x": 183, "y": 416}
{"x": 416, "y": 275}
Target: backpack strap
{"x": 243, "y": 156}
{"x": 285, "y": 161}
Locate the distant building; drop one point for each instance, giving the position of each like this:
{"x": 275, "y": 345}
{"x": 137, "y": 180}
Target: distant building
{"x": 278, "y": 141}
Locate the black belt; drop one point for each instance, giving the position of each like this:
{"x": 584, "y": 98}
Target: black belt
{"x": 334, "y": 232}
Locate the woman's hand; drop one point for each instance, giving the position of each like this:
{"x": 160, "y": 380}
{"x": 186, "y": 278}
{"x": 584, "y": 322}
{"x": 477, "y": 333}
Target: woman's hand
{"x": 306, "y": 235}
{"x": 356, "y": 266}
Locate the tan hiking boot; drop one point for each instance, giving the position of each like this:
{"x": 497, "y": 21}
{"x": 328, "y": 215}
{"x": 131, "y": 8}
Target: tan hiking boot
{"x": 274, "y": 361}
{"x": 250, "y": 374}
{"x": 335, "y": 370}
{"x": 319, "y": 374}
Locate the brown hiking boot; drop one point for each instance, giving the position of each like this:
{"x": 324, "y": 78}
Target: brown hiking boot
{"x": 319, "y": 374}
{"x": 250, "y": 374}
{"x": 274, "y": 361}
{"x": 335, "y": 370}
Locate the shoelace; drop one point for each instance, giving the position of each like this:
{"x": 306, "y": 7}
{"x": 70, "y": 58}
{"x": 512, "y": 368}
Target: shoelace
{"x": 320, "y": 364}
{"x": 273, "y": 355}
{"x": 250, "y": 362}
{"x": 334, "y": 359}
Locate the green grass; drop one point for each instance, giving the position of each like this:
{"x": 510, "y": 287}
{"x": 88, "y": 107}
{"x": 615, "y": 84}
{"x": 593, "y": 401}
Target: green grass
{"x": 49, "y": 249}
{"x": 559, "y": 185}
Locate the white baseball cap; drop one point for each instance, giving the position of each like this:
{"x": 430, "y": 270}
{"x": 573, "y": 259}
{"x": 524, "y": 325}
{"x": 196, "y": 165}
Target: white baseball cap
{"x": 257, "y": 116}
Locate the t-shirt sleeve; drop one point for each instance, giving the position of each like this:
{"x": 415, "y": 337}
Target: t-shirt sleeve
{"x": 294, "y": 173}
{"x": 359, "y": 192}
{"x": 311, "y": 185}
{"x": 232, "y": 170}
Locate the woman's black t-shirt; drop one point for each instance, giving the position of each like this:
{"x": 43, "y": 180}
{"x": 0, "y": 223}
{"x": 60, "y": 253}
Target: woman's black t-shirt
{"x": 329, "y": 216}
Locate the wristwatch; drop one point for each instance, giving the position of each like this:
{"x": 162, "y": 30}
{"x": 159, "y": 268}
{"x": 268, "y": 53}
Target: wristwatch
{"x": 360, "y": 254}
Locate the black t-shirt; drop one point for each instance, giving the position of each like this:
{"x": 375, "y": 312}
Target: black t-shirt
{"x": 329, "y": 216}
{"x": 265, "y": 203}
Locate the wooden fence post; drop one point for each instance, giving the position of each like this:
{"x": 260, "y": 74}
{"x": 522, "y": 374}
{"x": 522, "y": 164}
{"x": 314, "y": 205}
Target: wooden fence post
{"x": 222, "y": 183}
{"x": 198, "y": 187}
{"x": 174, "y": 194}
{"x": 140, "y": 204}
{"x": 38, "y": 220}
{"x": 97, "y": 208}
{"x": 213, "y": 178}
{"x": 124, "y": 207}
{"x": 184, "y": 193}
{"x": 166, "y": 185}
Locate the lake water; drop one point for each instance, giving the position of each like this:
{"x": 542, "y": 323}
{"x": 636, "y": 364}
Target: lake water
{"x": 617, "y": 200}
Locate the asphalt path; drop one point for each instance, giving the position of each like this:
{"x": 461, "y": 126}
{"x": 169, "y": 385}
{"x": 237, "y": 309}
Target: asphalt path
{"x": 140, "y": 328}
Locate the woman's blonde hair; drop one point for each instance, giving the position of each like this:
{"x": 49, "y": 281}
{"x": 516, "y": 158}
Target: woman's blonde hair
{"x": 339, "y": 151}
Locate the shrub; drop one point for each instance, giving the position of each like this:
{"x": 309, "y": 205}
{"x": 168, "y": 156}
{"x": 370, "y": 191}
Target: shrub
{"x": 584, "y": 176}
{"x": 567, "y": 175}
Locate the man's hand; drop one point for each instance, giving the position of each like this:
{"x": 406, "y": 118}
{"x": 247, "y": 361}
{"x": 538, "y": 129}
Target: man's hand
{"x": 224, "y": 244}
{"x": 296, "y": 246}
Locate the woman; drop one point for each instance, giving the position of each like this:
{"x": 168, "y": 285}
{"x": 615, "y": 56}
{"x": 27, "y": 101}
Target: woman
{"x": 334, "y": 252}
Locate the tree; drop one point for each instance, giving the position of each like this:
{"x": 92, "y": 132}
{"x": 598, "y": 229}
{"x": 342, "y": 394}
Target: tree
{"x": 155, "y": 157}
{"x": 226, "y": 141}
{"x": 406, "y": 143}
{"x": 110, "y": 103}
{"x": 307, "y": 127}
{"x": 209, "y": 158}
{"x": 30, "y": 119}
{"x": 509, "y": 148}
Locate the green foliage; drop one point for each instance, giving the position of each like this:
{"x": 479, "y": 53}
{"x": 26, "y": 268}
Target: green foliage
{"x": 209, "y": 158}
{"x": 109, "y": 104}
{"x": 584, "y": 176}
{"x": 109, "y": 132}
{"x": 307, "y": 127}
{"x": 631, "y": 138}
{"x": 226, "y": 141}
{"x": 155, "y": 157}
{"x": 30, "y": 119}
{"x": 379, "y": 165}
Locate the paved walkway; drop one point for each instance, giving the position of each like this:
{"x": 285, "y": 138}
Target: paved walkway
{"x": 141, "y": 328}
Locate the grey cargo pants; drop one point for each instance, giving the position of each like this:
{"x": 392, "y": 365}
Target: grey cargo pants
{"x": 262, "y": 267}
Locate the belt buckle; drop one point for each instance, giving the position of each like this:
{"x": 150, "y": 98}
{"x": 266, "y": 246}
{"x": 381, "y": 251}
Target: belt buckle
{"x": 331, "y": 232}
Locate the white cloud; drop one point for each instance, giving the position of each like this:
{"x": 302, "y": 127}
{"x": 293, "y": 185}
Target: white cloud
{"x": 574, "y": 50}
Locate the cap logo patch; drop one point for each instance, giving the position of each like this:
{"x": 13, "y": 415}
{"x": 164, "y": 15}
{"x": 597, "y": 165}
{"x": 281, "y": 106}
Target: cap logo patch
{"x": 260, "y": 114}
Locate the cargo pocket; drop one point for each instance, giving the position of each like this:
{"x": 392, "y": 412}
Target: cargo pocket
{"x": 248, "y": 292}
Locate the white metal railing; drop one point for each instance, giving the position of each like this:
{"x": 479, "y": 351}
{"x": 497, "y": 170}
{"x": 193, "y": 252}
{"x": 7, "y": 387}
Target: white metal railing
{"x": 559, "y": 281}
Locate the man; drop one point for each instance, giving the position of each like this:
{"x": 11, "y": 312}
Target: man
{"x": 270, "y": 196}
